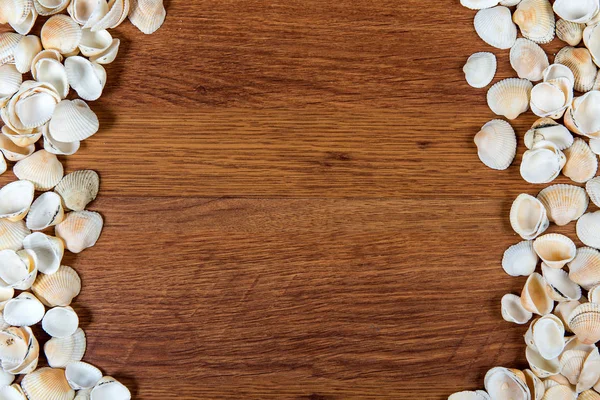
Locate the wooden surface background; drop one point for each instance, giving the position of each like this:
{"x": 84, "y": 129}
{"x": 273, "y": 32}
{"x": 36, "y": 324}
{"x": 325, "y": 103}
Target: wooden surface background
{"x": 295, "y": 208}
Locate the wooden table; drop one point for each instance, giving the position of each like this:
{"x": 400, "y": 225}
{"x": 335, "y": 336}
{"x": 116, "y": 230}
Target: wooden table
{"x": 295, "y": 208}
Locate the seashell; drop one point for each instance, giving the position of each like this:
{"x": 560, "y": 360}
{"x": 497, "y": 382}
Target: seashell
{"x": 535, "y": 18}
{"x": 41, "y": 168}
{"x": 10, "y": 81}
{"x": 57, "y": 289}
{"x": 12, "y": 152}
{"x": 469, "y": 395}
{"x": 584, "y": 321}
{"x": 582, "y": 117}
{"x": 510, "y": 97}
{"x": 32, "y": 106}
{"x": 50, "y": 54}
{"x": 554, "y": 249}
{"x": 117, "y": 12}
{"x": 569, "y": 32}
{"x": 496, "y": 144}
{"x": 13, "y": 346}
{"x": 15, "y": 200}
{"x": 6, "y": 293}
{"x": 588, "y": 229}
{"x": 56, "y": 6}
{"x": 573, "y": 343}
{"x": 83, "y": 394}
{"x": 542, "y": 163}
{"x": 110, "y": 54}
{"x": 61, "y": 322}
{"x": 29, "y": 364}
{"x": 534, "y": 297}
{"x": 480, "y": 69}
{"x": 86, "y": 78}
{"x": 564, "y": 309}
{"x": 17, "y": 269}
{"x": 513, "y": 311}
{"x": 81, "y": 375}
{"x": 95, "y": 43}
{"x": 579, "y": 60}
{"x": 581, "y": 11}
{"x": 594, "y": 294}
{"x": 556, "y": 71}
{"x": 535, "y": 385}
{"x": 590, "y": 372}
{"x": 520, "y": 259}
{"x": 110, "y": 389}
{"x": 47, "y": 383}
{"x": 551, "y": 98}
{"x": 78, "y": 189}
{"x": 591, "y": 39}
{"x": 571, "y": 363}
{"x": 53, "y": 72}
{"x": 23, "y": 310}
{"x": 555, "y": 380}
{"x": 585, "y": 267}
{"x": 503, "y": 383}
{"x": 87, "y": 12}
{"x": 149, "y": 15}
{"x": 12, "y": 234}
{"x": 560, "y": 287}
{"x": 493, "y": 25}
{"x": 478, "y": 4}
{"x": 11, "y": 393}
{"x": 61, "y": 33}
{"x": 24, "y": 26}
{"x": 73, "y": 121}
{"x": 8, "y": 43}
{"x": 22, "y": 138}
{"x": 582, "y": 163}
{"x": 51, "y": 145}
{"x": 594, "y": 144}
{"x": 546, "y": 336}
{"x": 560, "y": 392}
{"x": 528, "y": 59}
{"x": 80, "y": 230}
{"x": 588, "y": 395}
{"x": 48, "y": 251}
{"x": 563, "y": 203}
{"x": 528, "y": 217}
{"x": 61, "y": 351}
{"x": 26, "y": 49}
{"x": 46, "y": 211}
{"x": 541, "y": 367}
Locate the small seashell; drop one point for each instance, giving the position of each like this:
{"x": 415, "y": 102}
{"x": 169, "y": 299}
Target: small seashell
{"x": 12, "y": 152}
{"x": 594, "y": 294}
{"x": 541, "y": 367}
{"x": 117, "y": 12}
{"x": 95, "y": 43}
{"x": 555, "y": 71}
{"x": 60, "y": 322}
{"x": 10, "y": 82}
{"x": 510, "y": 97}
{"x": 564, "y": 203}
{"x": 535, "y": 18}
{"x": 81, "y": 375}
{"x": 569, "y": 32}
{"x": 560, "y": 392}
{"x": 590, "y": 372}
{"x": 46, "y": 211}
{"x": 73, "y": 121}
{"x": 61, "y": 33}
{"x": 554, "y": 249}
{"x": 110, "y": 54}
{"x": 12, "y": 234}
{"x": 51, "y": 145}
{"x": 48, "y": 251}
{"x": 560, "y": 287}
{"x": 23, "y": 310}
{"x": 564, "y": 309}
{"x": 496, "y": 144}
{"x": 584, "y": 321}
{"x": 504, "y": 383}
{"x": 528, "y": 217}
{"x": 26, "y": 24}
{"x": 47, "y": 383}
{"x": 588, "y": 395}
{"x": 86, "y": 78}
{"x": 582, "y": 163}
{"x": 24, "y": 138}
{"x": 534, "y": 296}
{"x": 571, "y": 363}
{"x": 8, "y": 43}
{"x": 478, "y": 4}
{"x": 57, "y": 6}
{"x": 546, "y": 336}
{"x": 588, "y": 229}
{"x": 579, "y": 60}
{"x": 594, "y": 144}
{"x": 41, "y": 168}
{"x": 581, "y": 11}
{"x": 513, "y": 311}
{"x": 149, "y": 15}
{"x": 25, "y": 51}
{"x": 583, "y": 116}
{"x": 87, "y": 12}
{"x": 551, "y": 98}
{"x": 542, "y": 163}
{"x": 57, "y": 289}
{"x": 585, "y": 267}
{"x": 53, "y": 72}
{"x": 28, "y": 363}
{"x": 108, "y": 388}
{"x": 520, "y": 259}
{"x": 528, "y": 59}
{"x": 51, "y": 54}
{"x": 78, "y": 189}
{"x": 17, "y": 269}
{"x": 550, "y": 130}
{"x": 15, "y": 200}
{"x": 31, "y": 107}
{"x": 535, "y": 385}
{"x": 83, "y": 394}
{"x": 80, "y": 230}
{"x": 592, "y": 187}
{"x": 13, "y": 346}
{"x": 61, "y": 351}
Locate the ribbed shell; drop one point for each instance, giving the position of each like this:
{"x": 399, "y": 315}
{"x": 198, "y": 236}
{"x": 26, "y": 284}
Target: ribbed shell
{"x": 585, "y": 267}
{"x": 548, "y": 129}
{"x": 588, "y": 229}
{"x": 57, "y": 289}
{"x": 80, "y": 230}
{"x": 78, "y": 189}
{"x": 559, "y": 392}
{"x": 534, "y": 296}
{"x": 579, "y": 60}
{"x": 61, "y": 351}
{"x": 8, "y": 42}
{"x": 535, "y": 18}
{"x": 61, "y": 33}
{"x": 510, "y": 97}
{"x": 45, "y": 11}
{"x": 10, "y": 80}
{"x": 520, "y": 259}
{"x": 117, "y": 12}
{"x": 12, "y": 234}
{"x": 73, "y": 121}
{"x": 569, "y": 32}
{"x": 496, "y": 144}
{"x": 528, "y": 59}
{"x": 110, "y": 389}
{"x": 592, "y": 188}
{"x": 564, "y": 203}
{"x": 149, "y": 15}
{"x": 42, "y": 168}
{"x": 576, "y": 11}
{"x": 582, "y": 163}
{"x": 47, "y": 384}
{"x": 584, "y": 321}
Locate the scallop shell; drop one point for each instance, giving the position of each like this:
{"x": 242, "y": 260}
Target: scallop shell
{"x": 23, "y": 310}
{"x": 546, "y": 335}
{"x": 53, "y": 72}
{"x": 528, "y": 59}
{"x": 513, "y": 311}
{"x": 583, "y": 116}
{"x": 81, "y": 375}
{"x": 10, "y": 81}
{"x": 28, "y": 362}
{"x": 555, "y": 71}
{"x": 582, "y": 163}
{"x": 579, "y": 60}
{"x": 41, "y": 168}
{"x": 56, "y": 7}
{"x": 564, "y": 203}
{"x": 61, "y": 33}
{"x": 496, "y": 144}
{"x": 78, "y": 189}
{"x": 591, "y": 39}
{"x": 61, "y": 351}
{"x": 551, "y": 98}
{"x": 73, "y": 121}
{"x": 61, "y": 322}
{"x": 503, "y": 383}
{"x": 26, "y": 49}
{"x": 12, "y": 234}
{"x": 584, "y": 321}
{"x": 87, "y": 12}
{"x": 588, "y": 395}
{"x": 15, "y": 200}
{"x": 569, "y": 32}
{"x": 594, "y": 294}
{"x": 581, "y": 11}
{"x": 535, "y": 385}
{"x": 86, "y": 78}
{"x": 510, "y": 97}
{"x": 528, "y": 217}
{"x": 46, "y": 211}
{"x": 13, "y": 346}
{"x": 585, "y": 267}
{"x": 588, "y": 229}
{"x": 117, "y": 12}
{"x": 47, "y": 383}
{"x": 149, "y": 15}
{"x": 560, "y": 287}
{"x": 554, "y": 249}
{"x": 564, "y": 309}
{"x": 541, "y": 367}
{"x": 48, "y": 251}
{"x": 31, "y": 107}
{"x": 24, "y": 26}
{"x": 57, "y": 289}
{"x": 520, "y": 259}
{"x": 24, "y": 139}
{"x": 550, "y": 130}
{"x": 534, "y": 296}
{"x": 80, "y": 230}
{"x": 535, "y": 18}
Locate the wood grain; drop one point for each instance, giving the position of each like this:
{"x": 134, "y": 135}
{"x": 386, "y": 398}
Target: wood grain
{"x": 294, "y": 206}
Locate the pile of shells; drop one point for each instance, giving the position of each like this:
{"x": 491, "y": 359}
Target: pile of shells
{"x": 43, "y": 213}
{"x": 562, "y": 289}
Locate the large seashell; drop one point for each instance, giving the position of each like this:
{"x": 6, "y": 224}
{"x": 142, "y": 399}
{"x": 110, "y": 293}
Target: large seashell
{"x": 588, "y": 229}
{"x": 95, "y": 43}
{"x": 493, "y": 25}
{"x": 81, "y": 375}
{"x": 579, "y": 60}
{"x": 534, "y": 296}
{"x": 15, "y": 200}
{"x": 513, "y": 311}
{"x": 57, "y": 289}
{"x": 564, "y": 309}
{"x": 541, "y": 367}
{"x": 546, "y": 336}
{"x": 535, "y": 18}
{"x": 585, "y": 267}
{"x": 592, "y": 187}
{"x": 569, "y": 32}
{"x": 583, "y": 116}
{"x": 591, "y": 39}
{"x": 13, "y": 392}
{"x": 48, "y": 251}
{"x": 80, "y": 230}
{"x": 110, "y": 54}
{"x": 51, "y": 145}
{"x": 23, "y": 310}
{"x": 503, "y": 383}
{"x": 554, "y": 249}
{"x": 53, "y": 72}
{"x": 582, "y": 163}
{"x": 510, "y": 97}
{"x": 87, "y": 12}
{"x": 46, "y": 211}
{"x": 10, "y": 81}
{"x": 8, "y": 43}
{"x": 560, "y": 287}
{"x": 560, "y": 392}
{"x": 528, "y": 217}
{"x": 61, "y": 33}
{"x": 496, "y": 144}
{"x": 520, "y": 259}
{"x": 528, "y": 59}
{"x": 551, "y": 98}
{"x": 12, "y": 234}
{"x": 543, "y": 163}
{"x": 564, "y": 203}
{"x": 46, "y": 384}
{"x": 73, "y": 121}
{"x": 149, "y": 15}
{"x": 584, "y": 321}
{"x": 26, "y": 50}
{"x": 78, "y": 189}
{"x": 61, "y": 351}
{"x": 41, "y": 168}
{"x": 555, "y": 71}
{"x": 580, "y": 11}
{"x": 61, "y": 322}
{"x": 17, "y": 269}
{"x": 86, "y": 78}
{"x": 11, "y": 151}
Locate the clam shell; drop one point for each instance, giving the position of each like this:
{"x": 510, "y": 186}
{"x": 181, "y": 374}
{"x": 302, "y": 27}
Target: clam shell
{"x": 528, "y": 59}
{"x": 23, "y": 310}
{"x": 560, "y": 287}
{"x": 13, "y": 346}
{"x": 591, "y": 39}
{"x": 22, "y": 138}
{"x": 560, "y": 392}
{"x": 12, "y": 152}
{"x": 12, "y": 234}
{"x": 29, "y": 364}
{"x": 520, "y": 259}
{"x": 555, "y": 71}
{"x": 510, "y": 97}
{"x": 61, "y": 33}
{"x": 569, "y": 32}
{"x": 469, "y": 395}
{"x": 541, "y": 367}
{"x": 15, "y": 200}
{"x": 83, "y": 394}
{"x": 588, "y": 229}
{"x": 594, "y": 144}
{"x": 41, "y": 168}
{"x": 117, "y": 12}
{"x": 80, "y": 230}
{"x": 57, "y": 289}
{"x": 110, "y": 54}
{"x": 513, "y": 311}
{"x": 582, "y": 163}
{"x": 81, "y": 375}
{"x": 579, "y": 60}
{"x": 51, "y": 54}
{"x": 550, "y": 130}
{"x": 61, "y": 322}
{"x": 25, "y": 51}
{"x": 78, "y": 189}
{"x": 503, "y": 383}
{"x": 61, "y": 351}
{"x": 46, "y": 384}
{"x": 95, "y": 43}
{"x": 10, "y": 80}
{"x": 588, "y": 395}
{"x": 53, "y": 72}
{"x": 564, "y": 203}
{"x": 585, "y": 267}
{"x": 11, "y": 393}
{"x": 594, "y": 294}
{"x": 86, "y": 78}
{"x": 87, "y": 12}
{"x": 583, "y": 115}
{"x": 149, "y": 15}
{"x": 73, "y": 121}
{"x": 528, "y": 217}
{"x": 554, "y": 249}
{"x": 31, "y": 107}
{"x": 17, "y": 269}
{"x": 546, "y": 336}
{"x": 590, "y": 372}
{"x": 8, "y": 43}
{"x": 584, "y": 321}
{"x": 51, "y": 145}
{"x": 46, "y": 211}
{"x": 571, "y": 363}
{"x": 24, "y": 26}
{"x": 496, "y": 144}
{"x": 56, "y": 7}
{"x": 535, "y": 18}
{"x": 551, "y": 98}
{"x": 581, "y": 11}
{"x": 534, "y": 297}
{"x": 48, "y": 251}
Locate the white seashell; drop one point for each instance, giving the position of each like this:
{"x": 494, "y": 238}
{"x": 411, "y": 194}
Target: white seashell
{"x": 61, "y": 351}
{"x": 555, "y": 71}
{"x": 15, "y": 200}
{"x": 48, "y": 251}
{"x": 22, "y": 138}
{"x": 581, "y": 11}
{"x": 12, "y": 152}
{"x": 8, "y": 43}
{"x": 510, "y": 97}
{"x": 520, "y": 259}
{"x": 560, "y": 392}
{"x": 579, "y": 60}
{"x": 10, "y": 82}
{"x": 550, "y": 130}
{"x": 56, "y": 6}
{"x": 551, "y": 98}
{"x": 563, "y": 310}
{"x": 32, "y": 106}
{"x": 83, "y": 394}
{"x": 469, "y": 395}
{"x": 582, "y": 163}
{"x": 60, "y": 322}
{"x": 25, "y": 25}
{"x": 87, "y": 12}
{"x": 592, "y": 188}
{"x": 11, "y": 393}
{"x": 108, "y": 388}
{"x": 571, "y": 363}
{"x": 61, "y": 33}
{"x": 51, "y": 145}
{"x": 13, "y": 346}
{"x": 542, "y": 163}
{"x": 26, "y": 50}
{"x": 29, "y": 364}
{"x": 46, "y": 211}
{"x": 78, "y": 189}
{"x": 478, "y": 4}
{"x": 496, "y": 144}
{"x": 73, "y": 121}
{"x": 564, "y": 203}
{"x": 81, "y": 375}
{"x": 53, "y": 72}
{"x": 591, "y": 39}
{"x": 80, "y": 230}
{"x": 117, "y": 12}
{"x": 528, "y": 217}
{"x": 513, "y": 311}
{"x": 585, "y": 267}
{"x": 594, "y": 144}
{"x": 546, "y": 336}
{"x": 503, "y": 383}
{"x": 23, "y": 310}
{"x": 57, "y": 289}
{"x": 17, "y": 269}
{"x": 569, "y": 32}
{"x": 535, "y": 385}
{"x": 51, "y": 54}
{"x": 528, "y": 59}
{"x": 493, "y": 25}
{"x": 588, "y": 229}
{"x": 535, "y": 18}
{"x": 46, "y": 384}
{"x": 583, "y": 116}
{"x": 541, "y": 367}
{"x": 534, "y": 296}
{"x": 560, "y": 287}
{"x": 95, "y": 43}
{"x": 594, "y": 294}
{"x": 590, "y": 371}
{"x": 110, "y": 54}
{"x": 41, "y": 168}
{"x": 12, "y": 234}
{"x": 584, "y": 321}
{"x": 149, "y": 15}
{"x": 86, "y": 78}
{"x": 554, "y": 249}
